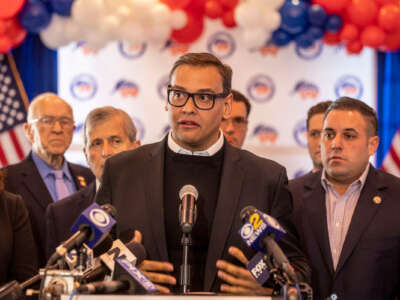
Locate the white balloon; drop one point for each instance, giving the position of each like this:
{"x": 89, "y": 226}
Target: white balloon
{"x": 87, "y": 12}
{"x": 96, "y": 40}
{"x": 53, "y": 35}
{"x": 133, "y": 33}
{"x": 272, "y": 20}
{"x": 124, "y": 12}
{"x": 254, "y": 38}
{"x": 73, "y": 31}
{"x": 178, "y": 19}
{"x": 112, "y": 6}
{"x": 161, "y": 15}
{"x": 248, "y": 16}
{"x": 109, "y": 25}
{"x": 159, "y": 34}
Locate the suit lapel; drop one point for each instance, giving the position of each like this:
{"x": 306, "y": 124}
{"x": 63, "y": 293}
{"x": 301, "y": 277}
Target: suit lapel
{"x": 154, "y": 184}
{"x": 229, "y": 194}
{"x": 363, "y": 215}
{"x": 314, "y": 201}
{"x": 80, "y": 181}
{"x": 33, "y": 181}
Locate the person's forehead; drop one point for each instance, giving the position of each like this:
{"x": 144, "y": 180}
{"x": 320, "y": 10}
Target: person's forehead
{"x": 53, "y": 107}
{"x": 107, "y": 129}
{"x": 200, "y": 77}
{"x": 316, "y": 121}
{"x": 344, "y": 120}
{"x": 238, "y": 109}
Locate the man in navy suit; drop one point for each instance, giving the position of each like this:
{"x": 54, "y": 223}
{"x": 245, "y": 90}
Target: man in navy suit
{"x": 348, "y": 213}
{"x": 45, "y": 176}
{"x": 107, "y": 131}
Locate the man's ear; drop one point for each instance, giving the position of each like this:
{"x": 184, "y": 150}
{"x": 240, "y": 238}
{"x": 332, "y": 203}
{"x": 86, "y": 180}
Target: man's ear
{"x": 86, "y": 154}
{"x": 373, "y": 143}
{"x": 28, "y": 131}
{"x": 228, "y": 106}
{"x": 137, "y": 144}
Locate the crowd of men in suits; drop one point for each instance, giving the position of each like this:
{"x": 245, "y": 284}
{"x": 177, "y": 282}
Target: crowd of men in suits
{"x": 343, "y": 233}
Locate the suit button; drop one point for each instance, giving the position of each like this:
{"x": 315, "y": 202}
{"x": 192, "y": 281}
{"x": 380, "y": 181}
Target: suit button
{"x": 333, "y": 297}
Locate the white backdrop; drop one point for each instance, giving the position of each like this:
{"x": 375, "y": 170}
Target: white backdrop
{"x": 281, "y": 83}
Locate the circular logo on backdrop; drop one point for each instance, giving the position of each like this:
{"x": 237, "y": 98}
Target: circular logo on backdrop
{"x": 300, "y": 133}
{"x": 348, "y": 86}
{"x": 162, "y": 87}
{"x": 221, "y": 44}
{"x": 83, "y": 87}
{"x": 246, "y": 231}
{"x": 99, "y": 217}
{"x": 265, "y": 134}
{"x": 126, "y": 89}
{"x": 131, "y": 52}
{"x": 310, "y": 53}
{"x": 261, "y": 88}
{"x": 139, "y": 127}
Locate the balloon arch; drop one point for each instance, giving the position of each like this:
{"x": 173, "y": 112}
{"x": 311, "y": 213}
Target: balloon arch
{"x": 353, "y": 23}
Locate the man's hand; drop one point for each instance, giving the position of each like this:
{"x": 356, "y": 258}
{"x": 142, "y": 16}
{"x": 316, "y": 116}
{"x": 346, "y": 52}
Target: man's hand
{"x": 152, "y": 269}
{"x": 239, "y": 279}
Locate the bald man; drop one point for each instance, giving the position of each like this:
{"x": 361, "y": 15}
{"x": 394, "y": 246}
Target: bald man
{"x": 44, "y": 176}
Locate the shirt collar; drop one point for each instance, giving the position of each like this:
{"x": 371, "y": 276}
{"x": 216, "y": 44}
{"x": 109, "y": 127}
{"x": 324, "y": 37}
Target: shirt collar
{"x": 45, "y": 169}
{"x": 361, "y": 180}
{"x": 208, "y": 152}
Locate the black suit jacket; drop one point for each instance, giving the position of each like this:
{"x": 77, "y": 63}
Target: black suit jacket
{"x": 133, "y": 183}
{"x": 369, "y": 264}
{"x": 61, "y": 215}
{"x": 17, "y": 252}
{"x": 24, "y": 179}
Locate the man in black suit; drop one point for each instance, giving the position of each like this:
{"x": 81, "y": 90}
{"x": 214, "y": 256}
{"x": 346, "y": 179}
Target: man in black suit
{"x": 44, "y": 176}
{"x": 107, "y": 131}
{"x": 144, "y": 184}
{"x": 347, "y": 214}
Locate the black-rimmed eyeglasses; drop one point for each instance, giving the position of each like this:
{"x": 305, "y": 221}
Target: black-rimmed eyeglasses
{"x": 203, "y": 101}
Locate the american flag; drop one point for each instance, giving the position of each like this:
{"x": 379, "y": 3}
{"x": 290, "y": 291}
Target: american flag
{"x": 391, "y": 163}
{"x": 14, "y": 145}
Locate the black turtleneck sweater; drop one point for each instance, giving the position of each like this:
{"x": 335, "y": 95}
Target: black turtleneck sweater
{"x": 204, "y": 173}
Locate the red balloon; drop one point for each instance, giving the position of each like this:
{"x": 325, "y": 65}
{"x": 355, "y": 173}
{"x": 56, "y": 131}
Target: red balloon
{"x": 384, "y": 2}
{"x": 16, "y": 32}
{"x": 354, "y": 47}
{"x": 392, "y": 41}
{"x": 192, "y": 30}
{"x": 176, "y": 4}
{"x": 5, "y": 44}
{"x": 229, "y": 3}
{"x": 196, "y": 7}
{"x": 213, "y": 9}
{"x": 349, "y": 32}
{"x": 9, "y": 9}
{"x": 331, "y": 38}
{"x": 389, "y": 17}
{"x": 362, "y": 12}
{"x": 228, "y": 18}
{"x": 373, "y": 36}
{"x": 332, "y": 6}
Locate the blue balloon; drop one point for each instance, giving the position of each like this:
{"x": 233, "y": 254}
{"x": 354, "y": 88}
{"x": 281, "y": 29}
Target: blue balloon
{"x": 62, "y": 7}
{"x": 317, "y": 15}
{"x": 294, "y": 17}
{"x": 281, "y": 38}
{"x": 35, "y": 16}
{"x": 334, "y": 23}
{"x": 315, "y": 32}
{"x": 304, "y": 41}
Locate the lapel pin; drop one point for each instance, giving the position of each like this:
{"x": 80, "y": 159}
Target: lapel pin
{"x": 82, "y": 181}
{"x": 377, "y": 200}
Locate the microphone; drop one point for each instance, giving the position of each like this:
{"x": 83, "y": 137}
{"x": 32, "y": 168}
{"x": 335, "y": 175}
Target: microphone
{"x": 261, "y": 232}
{"x": 187, "y": 208}
{"x": 133, "y": 252}
{"x": 92, "y": 226}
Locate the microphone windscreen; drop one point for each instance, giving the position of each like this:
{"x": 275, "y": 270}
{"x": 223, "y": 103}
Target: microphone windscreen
{"x": 247, "y": 211}
{"x": 110, "y": 209}
{"x": 138, "y": 250}
{"x": 103, "y": 247}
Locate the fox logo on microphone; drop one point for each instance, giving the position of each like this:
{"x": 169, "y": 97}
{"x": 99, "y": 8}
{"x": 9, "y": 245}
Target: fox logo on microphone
{"x": 258, "y": 268}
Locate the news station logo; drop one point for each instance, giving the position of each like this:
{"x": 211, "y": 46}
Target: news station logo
{"x": 349, "y": 86}
{"x": 306, "y": 90}
{"x": 139, "y": 127}
{"x": 83, "y": 87}
{"x": 86, "y": 50}
{"x": 265, "y": 134}
{"x": 268, "y": 50}
{"x": 99, "y": 217}
{"x": 176, "y": 49}
{"x": 300, "y": 133}
{"x": 162, "y": 87}
{"x": 131, "y": 51}
{"x": 164, "y": 131}
{"x": 126, "y": 89}
{"x": 261, "y": 88}
{"x": 221, "y": 44}
{"x": 310, "y": 53}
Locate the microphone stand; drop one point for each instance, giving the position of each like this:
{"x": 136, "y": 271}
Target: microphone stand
{"x": 186, "y": 241}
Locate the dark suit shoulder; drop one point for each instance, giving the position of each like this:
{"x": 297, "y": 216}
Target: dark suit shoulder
{"x": 304, "y": 181}
{"x": 13, "y": 203}
{"x": 79, "y": 170}
{"x": 384, "y": 179}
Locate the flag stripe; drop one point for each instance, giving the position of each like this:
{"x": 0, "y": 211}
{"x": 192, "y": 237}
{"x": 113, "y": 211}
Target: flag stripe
{"x": 23, "y": 140}
{"x": 394, "y": 157}
{"x": 3, "y": 159}
{"x": 17, "y": 146}
{"x": 8, "y": 148}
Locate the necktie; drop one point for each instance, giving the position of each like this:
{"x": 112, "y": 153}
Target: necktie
{"x": 61, "y": 187}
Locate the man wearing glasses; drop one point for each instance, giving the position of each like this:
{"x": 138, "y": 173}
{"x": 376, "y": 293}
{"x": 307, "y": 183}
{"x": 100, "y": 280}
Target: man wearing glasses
{"x": 235, "y": 127}
{"x": 44, "y": 176}
{"x": 144, "y": 184}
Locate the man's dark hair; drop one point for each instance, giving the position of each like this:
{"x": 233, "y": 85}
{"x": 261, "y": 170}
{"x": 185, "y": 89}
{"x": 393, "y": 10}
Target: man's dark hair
{"x": 368, "y": 113}
{"x": 204, "y": 60}
{"x": 319, "y": 108}
{"x": 239, "y": 97}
